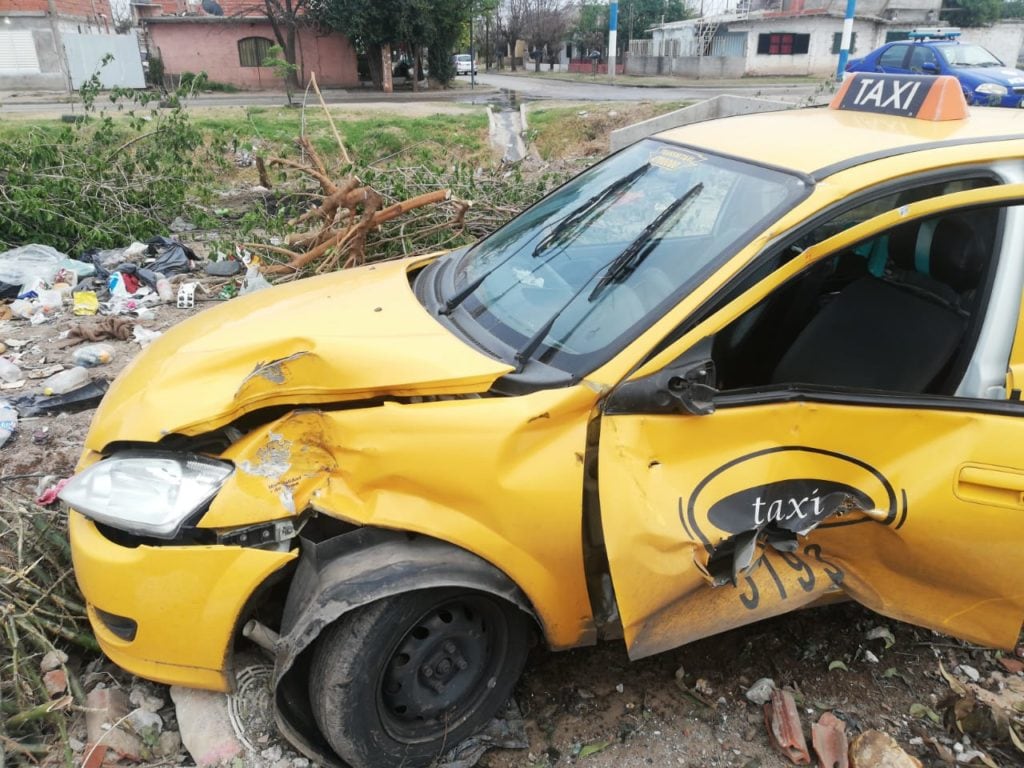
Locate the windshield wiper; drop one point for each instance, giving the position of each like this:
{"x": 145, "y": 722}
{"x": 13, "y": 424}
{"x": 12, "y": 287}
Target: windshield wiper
{"x": 570, "y": 223}
{"x": 638, "y": 250}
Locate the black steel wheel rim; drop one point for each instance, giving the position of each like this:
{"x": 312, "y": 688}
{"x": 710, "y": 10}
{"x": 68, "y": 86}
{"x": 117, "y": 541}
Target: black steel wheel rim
{"x": 442, "y": 668}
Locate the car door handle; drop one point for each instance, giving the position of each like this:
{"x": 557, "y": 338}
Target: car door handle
{"x": 982, "y": 484}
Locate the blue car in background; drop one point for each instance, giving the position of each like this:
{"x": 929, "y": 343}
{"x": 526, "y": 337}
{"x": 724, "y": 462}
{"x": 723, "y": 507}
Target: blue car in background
{"x": 984, "y": 78}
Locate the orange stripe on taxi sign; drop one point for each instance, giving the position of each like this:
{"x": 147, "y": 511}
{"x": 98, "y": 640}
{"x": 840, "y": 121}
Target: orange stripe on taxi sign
{"x": 923, "y": 97}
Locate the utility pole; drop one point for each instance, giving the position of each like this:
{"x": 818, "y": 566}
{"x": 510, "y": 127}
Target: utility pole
{"x": 472, "y": 53}
{"x": 613, "y": 33}
{"x": 844, "y": 45}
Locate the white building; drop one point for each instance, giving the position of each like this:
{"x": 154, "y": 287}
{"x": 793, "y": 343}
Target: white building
{"x": 772, "y": 37}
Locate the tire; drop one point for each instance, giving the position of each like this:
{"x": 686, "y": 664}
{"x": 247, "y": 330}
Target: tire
{"x": 403, "y": 680}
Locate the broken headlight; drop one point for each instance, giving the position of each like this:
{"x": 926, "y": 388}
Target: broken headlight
{"x": 146, "y": 493}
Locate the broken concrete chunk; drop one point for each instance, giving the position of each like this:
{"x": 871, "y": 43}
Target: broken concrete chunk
{"x": 828, "y": 737}
{"x": 874, "y": 749}
{"x": 56, "y": 682}
{"x": 761, "y": 691}
{"x": 104, "y": 718}
{"x": 52, "y": 660}
{"x": 784, "y": 727}
{"x": 205, "y": 726}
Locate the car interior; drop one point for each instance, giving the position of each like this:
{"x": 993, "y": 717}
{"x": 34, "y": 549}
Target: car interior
{"x": 897, "y": 313}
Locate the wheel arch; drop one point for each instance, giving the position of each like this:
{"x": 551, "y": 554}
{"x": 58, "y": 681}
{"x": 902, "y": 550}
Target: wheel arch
{"x": 350, "y": 570}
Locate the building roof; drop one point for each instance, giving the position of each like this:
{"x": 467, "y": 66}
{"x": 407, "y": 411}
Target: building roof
{"x": 809, "y": 140}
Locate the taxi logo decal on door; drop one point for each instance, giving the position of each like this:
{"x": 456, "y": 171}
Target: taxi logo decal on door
{"x": 770, "y": 497}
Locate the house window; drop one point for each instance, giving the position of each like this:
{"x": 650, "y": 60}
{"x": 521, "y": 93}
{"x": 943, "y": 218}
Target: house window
{"x": 253, "y": 50}
{"x": 837, "y": 42}
{"x": 782, "y": 43}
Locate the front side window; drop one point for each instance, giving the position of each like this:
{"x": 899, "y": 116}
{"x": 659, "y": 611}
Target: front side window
{"x": 571, "y": 280}
{"x": 253, "y": 50}
{"x": 923, "y": 55}
{"x": 899, "y": 312}
{"x": 894, "y": 57}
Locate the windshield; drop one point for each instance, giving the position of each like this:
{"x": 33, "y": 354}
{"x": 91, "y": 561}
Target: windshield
{"x": 575, "y": 277}
{"x": 966, "y": 55}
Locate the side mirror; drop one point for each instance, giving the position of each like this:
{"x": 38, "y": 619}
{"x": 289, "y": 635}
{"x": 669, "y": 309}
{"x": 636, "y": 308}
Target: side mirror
{"x": 686, "y": 386}
{"x": 930, "y": 67}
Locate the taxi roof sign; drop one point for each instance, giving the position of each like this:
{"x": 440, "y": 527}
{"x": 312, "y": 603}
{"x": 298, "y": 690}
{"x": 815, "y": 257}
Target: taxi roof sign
{"x": 934, "y": 33}
{"x": 923, "y": 97}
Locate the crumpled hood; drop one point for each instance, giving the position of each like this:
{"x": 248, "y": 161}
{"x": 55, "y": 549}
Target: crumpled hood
{"x": 350, "y": 335}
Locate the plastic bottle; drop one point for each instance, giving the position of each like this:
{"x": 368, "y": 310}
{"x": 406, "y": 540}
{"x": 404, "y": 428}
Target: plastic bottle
{"x": 92, "y": 355}
{"x": 66, "y": 381}
{"x": 8, "y": 421}
{"x": 9, "y": 372}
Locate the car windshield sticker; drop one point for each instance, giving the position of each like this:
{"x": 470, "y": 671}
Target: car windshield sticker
{"x": 674, "y": 159}
{"x": 918, "y": 96}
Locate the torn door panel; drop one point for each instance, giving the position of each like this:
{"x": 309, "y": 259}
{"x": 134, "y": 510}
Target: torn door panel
{"x": 724, "y": 530}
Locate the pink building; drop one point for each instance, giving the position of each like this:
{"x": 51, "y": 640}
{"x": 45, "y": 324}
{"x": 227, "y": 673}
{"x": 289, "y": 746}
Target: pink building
{"x": 231, "y": 48}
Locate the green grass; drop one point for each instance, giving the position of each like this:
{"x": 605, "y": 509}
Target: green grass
{"x": 584, "y": 128}
{"x": 388, "y": 139}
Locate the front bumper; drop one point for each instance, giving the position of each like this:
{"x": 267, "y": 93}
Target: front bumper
{"x": 167, "y": 613}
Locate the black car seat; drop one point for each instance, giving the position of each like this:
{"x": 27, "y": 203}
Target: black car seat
{"x": 900, "y": 332}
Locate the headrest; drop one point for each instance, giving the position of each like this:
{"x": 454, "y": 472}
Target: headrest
{"x": 948, "y": 249}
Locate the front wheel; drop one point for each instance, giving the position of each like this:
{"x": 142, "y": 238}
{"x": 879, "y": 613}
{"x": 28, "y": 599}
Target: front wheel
{"x": 403, "y": 680}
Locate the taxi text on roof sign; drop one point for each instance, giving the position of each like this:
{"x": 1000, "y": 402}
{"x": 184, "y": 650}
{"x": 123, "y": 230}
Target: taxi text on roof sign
{"x": 918, "y": 96}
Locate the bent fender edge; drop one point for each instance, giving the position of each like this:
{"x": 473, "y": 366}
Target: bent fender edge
{"x": 350, "y": 570}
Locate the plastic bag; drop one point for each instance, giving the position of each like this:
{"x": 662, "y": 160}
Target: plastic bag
{"x": 173, "y": 258}
{"x": 254, "y": 281}
{"x": 8, "y": 421}
{"x": 30, "y": 262}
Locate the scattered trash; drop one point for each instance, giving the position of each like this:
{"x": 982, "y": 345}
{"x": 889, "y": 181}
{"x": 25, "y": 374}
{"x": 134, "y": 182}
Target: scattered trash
{"x": 969, "y": 672}
{"x": 874, "y": 749}
{"x": 254, "y": 281}
{"x": 186, "y": 295}
{"x": 145, "y": 336}
{"x": 92, "y": 355}
{"x": 226, "y": 268}
{"x": 828, "y": 737}
{"x": 21, "y": 266}
{"x": 66, "y": 381}
{"x": 784, "y": 727}
{"x": 834, "y": 665}
{"x": 172, "y": 257}
{"x": 870, "y": 658}
{"x": 507, "y": 731}
{"x": 8, "y": 421}
{"x": 98, "y": 330}
{"x": 85, "y": 397}
{"x": 882, "y": 633}
{"x": 85, "y": 303}
{"x": 41, "y": 436}
{"x": 9, "y": 372}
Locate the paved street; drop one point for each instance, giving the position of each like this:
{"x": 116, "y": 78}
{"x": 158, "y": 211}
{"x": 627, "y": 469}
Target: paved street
{"x": 490, "y": 88}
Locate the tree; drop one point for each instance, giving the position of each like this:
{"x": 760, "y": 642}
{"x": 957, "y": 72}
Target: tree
{"x": 376, "y": 25}
{"x": 282, "y": 68}
{"x": 636, "y": 17}
{"x": 973, "y": 13}
{"x": 285, "y": 17}
{"x": 545, "y": 28}
{"x": 512, "y": 20}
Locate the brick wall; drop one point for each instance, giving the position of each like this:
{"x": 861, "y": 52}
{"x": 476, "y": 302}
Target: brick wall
{"x": 77, "y": 9}
{"x": 212, "y": 47}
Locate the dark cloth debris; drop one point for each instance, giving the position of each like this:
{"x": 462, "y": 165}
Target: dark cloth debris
{"x": 98, "y": 330}
{"x": 504, "y": 732}
{"x": 79, "y": 399}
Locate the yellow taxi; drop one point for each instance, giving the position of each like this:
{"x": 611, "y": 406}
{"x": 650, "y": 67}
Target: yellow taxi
{"x": 734, "y": 370}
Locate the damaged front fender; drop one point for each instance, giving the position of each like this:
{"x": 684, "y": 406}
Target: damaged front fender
{"x": 341, "y": 574}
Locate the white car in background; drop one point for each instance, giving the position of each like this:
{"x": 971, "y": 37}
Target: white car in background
{"x": 463, "y": 63}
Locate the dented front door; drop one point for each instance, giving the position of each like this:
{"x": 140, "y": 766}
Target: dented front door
{"x": 761, "y": 505}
